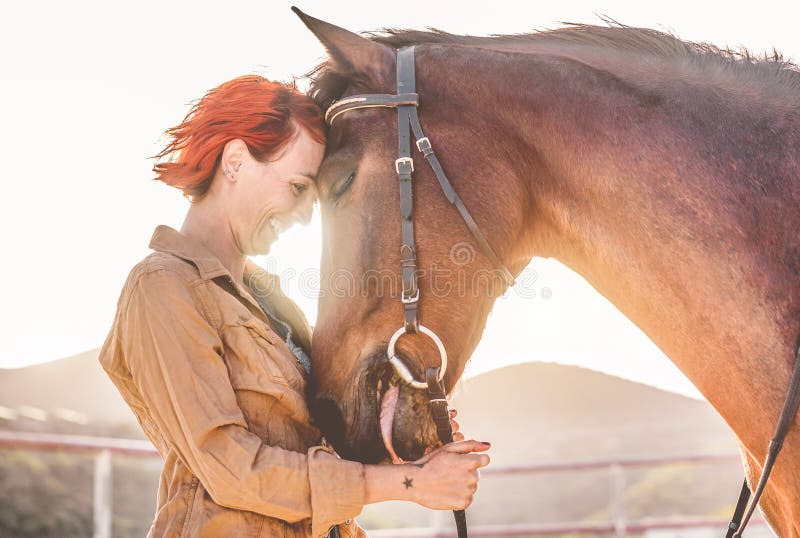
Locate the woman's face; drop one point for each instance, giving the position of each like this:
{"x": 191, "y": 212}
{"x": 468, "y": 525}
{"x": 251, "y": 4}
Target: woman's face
{"x": 269, "y": 197}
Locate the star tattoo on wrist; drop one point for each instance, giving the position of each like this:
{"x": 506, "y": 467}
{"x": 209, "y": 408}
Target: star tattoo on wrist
{"x": 408, "y": 482}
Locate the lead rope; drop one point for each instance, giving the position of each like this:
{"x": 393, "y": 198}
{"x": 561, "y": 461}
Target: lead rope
{"x": 737, "y": 524}
{"x": 441, "y": 417}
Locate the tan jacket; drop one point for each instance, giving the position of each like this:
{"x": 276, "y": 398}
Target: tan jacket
{"x": 221, "y": 397}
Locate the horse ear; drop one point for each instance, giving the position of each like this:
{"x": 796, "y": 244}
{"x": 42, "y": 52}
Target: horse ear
{"x": 351, "y": 53}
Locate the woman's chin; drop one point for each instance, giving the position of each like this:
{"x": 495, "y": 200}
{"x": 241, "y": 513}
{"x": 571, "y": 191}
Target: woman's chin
{"x": 262, "y": 243}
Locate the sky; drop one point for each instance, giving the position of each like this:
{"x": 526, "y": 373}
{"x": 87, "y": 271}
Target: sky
{"x": 88, "y": 88}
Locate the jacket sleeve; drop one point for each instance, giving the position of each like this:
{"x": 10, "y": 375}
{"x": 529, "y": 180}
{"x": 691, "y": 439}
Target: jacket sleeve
{"x": 176, "y": 361}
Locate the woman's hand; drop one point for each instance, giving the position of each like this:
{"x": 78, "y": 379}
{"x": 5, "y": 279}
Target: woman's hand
{"x": 448, "y": 476}
{"x": 445, "y": 479}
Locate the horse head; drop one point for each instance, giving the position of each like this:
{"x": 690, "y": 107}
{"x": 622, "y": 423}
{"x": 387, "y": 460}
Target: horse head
{"x": 364, "y": 408}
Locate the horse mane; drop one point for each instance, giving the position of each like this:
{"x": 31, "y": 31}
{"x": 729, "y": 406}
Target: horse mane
{"x": 327, "y": 85}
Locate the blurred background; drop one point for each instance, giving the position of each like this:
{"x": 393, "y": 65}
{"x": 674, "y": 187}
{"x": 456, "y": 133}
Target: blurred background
{"x": 562, "y": 384}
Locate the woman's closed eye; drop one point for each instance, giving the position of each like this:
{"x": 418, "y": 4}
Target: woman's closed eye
{"x": 299, "y": 188}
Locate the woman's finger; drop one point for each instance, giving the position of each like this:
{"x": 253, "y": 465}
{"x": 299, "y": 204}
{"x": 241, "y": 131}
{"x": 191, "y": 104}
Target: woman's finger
{"x": 465, "y": 447}
{"x": 480, "y": 460}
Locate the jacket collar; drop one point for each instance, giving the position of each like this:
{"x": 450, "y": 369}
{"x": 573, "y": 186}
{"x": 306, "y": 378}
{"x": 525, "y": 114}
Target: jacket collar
{"x": 167, "y": 239}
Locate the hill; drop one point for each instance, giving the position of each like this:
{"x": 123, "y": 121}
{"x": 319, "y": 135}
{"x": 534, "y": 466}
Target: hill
{"x": 567, "y": 412}
{"x": 70, "y": 394}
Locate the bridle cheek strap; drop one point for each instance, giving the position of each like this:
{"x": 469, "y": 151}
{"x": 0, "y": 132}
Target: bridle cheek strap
{"x": 404, "y": 166}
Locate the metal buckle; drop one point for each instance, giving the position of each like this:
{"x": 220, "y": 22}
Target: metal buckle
{"x": 408, "y": 300}
{"x": 402, "y": 160}
{"x": 426, "y": 141}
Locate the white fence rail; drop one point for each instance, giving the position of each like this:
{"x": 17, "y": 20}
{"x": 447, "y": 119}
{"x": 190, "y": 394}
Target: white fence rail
{"x": 105, "y": 448}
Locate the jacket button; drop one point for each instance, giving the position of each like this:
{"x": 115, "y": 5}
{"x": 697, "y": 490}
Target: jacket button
{"x": 348, "y": 521}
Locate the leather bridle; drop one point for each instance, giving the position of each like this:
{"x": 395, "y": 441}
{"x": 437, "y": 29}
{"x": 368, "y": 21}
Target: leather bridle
{"x": 406, "y": 102}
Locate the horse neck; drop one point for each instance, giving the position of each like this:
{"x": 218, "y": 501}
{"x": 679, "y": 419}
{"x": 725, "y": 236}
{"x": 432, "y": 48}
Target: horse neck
{"x": 637, "y": 192}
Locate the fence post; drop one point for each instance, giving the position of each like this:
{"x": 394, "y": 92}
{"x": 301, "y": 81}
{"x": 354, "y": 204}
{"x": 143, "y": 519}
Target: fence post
{"x": 618, "y": 499}
{"x": 102, "y": 494}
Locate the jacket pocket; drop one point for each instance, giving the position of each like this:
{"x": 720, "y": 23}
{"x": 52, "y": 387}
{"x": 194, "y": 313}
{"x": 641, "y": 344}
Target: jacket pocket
{"x": 268, "y": 390}
{"x": 277, "y": 357}
{"x": 251, "y": 356}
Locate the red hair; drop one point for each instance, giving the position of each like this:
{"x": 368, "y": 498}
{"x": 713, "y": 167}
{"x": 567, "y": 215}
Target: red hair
{"x": 262, "y": 113}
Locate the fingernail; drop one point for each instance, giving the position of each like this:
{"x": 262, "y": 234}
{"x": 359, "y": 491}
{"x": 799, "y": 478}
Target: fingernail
{"x": 485, "y": 443}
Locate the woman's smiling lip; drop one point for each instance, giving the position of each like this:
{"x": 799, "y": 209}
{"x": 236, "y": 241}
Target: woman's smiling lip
{"x": 272, "y": 224}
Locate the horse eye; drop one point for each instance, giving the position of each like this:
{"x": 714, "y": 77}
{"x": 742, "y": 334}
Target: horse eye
{"x": 342, "y": 187}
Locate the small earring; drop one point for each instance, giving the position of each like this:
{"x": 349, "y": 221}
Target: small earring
{"x": 237, "y": 167}
{"x": 227, "y": 172}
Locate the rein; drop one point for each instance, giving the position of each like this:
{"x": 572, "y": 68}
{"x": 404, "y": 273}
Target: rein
{"x": 790, "y": 405}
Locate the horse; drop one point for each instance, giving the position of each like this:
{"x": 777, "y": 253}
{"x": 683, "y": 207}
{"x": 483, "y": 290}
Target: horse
{"x": 664, "y": 172}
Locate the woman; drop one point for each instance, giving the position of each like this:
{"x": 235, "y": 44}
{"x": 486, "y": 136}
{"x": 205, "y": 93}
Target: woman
{"x": 212, "y": 358}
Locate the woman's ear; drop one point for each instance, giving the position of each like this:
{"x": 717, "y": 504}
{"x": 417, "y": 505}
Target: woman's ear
{"x": 233, "y": 156}
{"x": 351, "y": 54}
